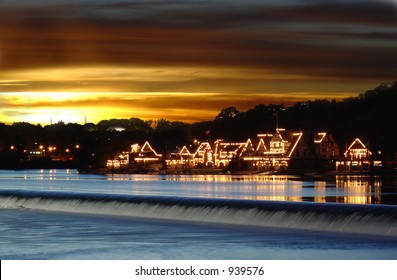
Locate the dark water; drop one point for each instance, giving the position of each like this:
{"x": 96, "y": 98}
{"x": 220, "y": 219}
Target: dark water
{"x": 48, "y": 235}
{"x": 59, "y": 214}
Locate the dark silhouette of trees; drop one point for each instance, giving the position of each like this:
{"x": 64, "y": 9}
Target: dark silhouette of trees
{"x": 227, "y": 114}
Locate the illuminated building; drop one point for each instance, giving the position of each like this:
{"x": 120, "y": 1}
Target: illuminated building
{"x": 145, "y": 156}
{"x": 225, "y": 152}
{"x": 325, "y": 146}
{"x": 281, "y": 151}
{"x": 35, "y": 152}
{"x": 182, "y": 159}
{"x": 322, "y": 146}
{"x": 273, "y": 151}
{"x": 315, "y": 153}
{"x": 357, "y": 157}
{"x": 120, "y": 161}
{"x": 138, "y": 157}
{"x": 203, "y": 157}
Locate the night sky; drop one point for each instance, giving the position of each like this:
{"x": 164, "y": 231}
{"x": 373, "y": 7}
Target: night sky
{"x": 71, "y": 60}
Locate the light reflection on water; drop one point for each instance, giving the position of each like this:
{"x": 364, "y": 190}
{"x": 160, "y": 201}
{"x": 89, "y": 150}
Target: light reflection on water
{"x": 359, "y": 190}
{"x": 339, "y": 189}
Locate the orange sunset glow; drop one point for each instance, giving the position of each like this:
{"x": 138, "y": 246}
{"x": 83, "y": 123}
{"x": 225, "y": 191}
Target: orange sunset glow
{"x": 74, "y": 61}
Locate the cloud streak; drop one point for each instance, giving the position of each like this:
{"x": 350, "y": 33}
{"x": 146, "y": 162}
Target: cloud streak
{"x": 287, "y": 38}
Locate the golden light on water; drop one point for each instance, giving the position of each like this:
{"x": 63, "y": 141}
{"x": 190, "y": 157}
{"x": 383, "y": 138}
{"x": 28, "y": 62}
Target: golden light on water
{"x": 346, "y": 189}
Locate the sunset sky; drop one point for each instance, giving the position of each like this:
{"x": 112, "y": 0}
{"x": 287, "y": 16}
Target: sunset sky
{"x": 71, "y": 60}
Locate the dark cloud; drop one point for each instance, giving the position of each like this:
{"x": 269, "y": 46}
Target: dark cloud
{"x": 334, "y": 39}
{"x": 374, "y": 13}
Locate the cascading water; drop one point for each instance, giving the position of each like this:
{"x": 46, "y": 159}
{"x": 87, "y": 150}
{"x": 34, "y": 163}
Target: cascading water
{"x": 361, "y": 219}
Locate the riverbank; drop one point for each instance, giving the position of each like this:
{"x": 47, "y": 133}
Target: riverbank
{"x": 307, "y": 175}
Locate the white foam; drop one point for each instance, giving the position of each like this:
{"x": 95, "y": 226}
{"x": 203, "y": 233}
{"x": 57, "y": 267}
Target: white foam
{"x": 352, "y": 222}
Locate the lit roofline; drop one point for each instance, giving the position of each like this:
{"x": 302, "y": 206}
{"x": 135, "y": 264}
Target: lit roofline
{"x": 206, "y": 144}
{"x": 185, "y": 148}
{"x": 257, "y": 147}
{"x": 150, "y": 147}
{"x": 351, "y": 145}
{"x": 296, "y": 142}
{"x": 322, "y": 138}
{"x": 249, "y": 142}
{"x": 245, "y": 147}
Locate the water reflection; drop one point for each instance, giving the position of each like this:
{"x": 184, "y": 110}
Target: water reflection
{"x": 359, "y": 189}
{"x": 44, "y": 174}
{"x": 337, "y": 189}
{"x": 320, "y": 191}
{"x": 202, "y": 178}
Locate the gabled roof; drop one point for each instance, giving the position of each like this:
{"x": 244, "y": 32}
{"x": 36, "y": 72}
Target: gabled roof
{"x": 184, "y": 151}
{"x": 261, "y": 148}
{"x": 280, "y": 142}
{"x": 203, "y": 148}
{"x": 357, "y": 145}
{"x": 145, "y": 151}
{"x": 248, "y": 148}
{"x": 277, "y": 137}
{"x": 289, "y": 139}
{"x": 264, "y": 143}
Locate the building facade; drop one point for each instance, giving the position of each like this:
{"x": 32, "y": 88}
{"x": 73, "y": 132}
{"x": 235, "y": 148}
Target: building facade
{"x": 357, "y": 157}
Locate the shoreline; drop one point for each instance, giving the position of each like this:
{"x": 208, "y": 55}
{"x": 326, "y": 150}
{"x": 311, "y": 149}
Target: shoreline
{"x": 305, "y": 174}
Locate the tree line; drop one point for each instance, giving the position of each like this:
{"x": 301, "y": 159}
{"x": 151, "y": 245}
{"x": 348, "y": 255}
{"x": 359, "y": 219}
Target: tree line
{"x": 371, "y": 116}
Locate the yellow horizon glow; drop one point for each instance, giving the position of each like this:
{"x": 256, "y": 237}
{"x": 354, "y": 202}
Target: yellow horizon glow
{"x": 187, "y": 94}
{"x": 52, "y": 107}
